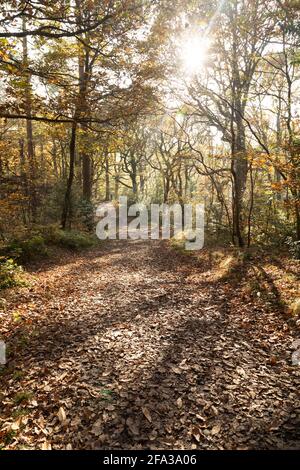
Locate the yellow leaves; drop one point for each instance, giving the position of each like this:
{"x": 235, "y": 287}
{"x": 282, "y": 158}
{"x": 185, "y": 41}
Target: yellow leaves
{"x": 277, "y": 186}
{"x": 3, "y": 55}
{"x": 259, "y": 162}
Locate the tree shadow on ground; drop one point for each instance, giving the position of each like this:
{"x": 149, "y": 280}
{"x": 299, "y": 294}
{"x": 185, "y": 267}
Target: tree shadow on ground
{"x": 190, "y": 383}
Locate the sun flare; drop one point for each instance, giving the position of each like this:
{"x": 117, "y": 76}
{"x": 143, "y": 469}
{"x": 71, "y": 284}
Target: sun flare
{"x": 194, "y": 53}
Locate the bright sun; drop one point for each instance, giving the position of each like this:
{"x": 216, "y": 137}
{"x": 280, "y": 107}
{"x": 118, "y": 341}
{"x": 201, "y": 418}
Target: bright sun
{"x": 194, "y": 53}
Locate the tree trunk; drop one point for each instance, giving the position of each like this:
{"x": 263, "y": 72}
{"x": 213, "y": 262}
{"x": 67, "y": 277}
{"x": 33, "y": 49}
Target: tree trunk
{"x": 66, "y": 213}
{"x": 29, "y": 133}
{"x": 297, "y": 211}
{"x": 107, "y": 181}
{"x": 86, "y": 177}
{"x": 239, "y": 171}
{"x": 54, "y": 158}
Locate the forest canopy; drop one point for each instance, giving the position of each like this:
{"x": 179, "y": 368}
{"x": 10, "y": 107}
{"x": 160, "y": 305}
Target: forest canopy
{"x": 162, "y": 101}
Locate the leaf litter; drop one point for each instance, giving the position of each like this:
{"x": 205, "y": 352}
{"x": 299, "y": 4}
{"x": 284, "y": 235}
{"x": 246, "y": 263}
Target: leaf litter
{"x": 135, "y": 346}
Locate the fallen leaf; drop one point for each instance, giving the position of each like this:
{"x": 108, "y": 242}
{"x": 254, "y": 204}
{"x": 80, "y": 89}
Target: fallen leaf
{"x": 97, "y": 427}
{"x": 61, "y": 415}
{"x": 179, "y": 403}
{"x": 196, "y": 434}
{"x": 15, "y": 426}
{"x": 241, "y": 372}
{"x": 132, "y": 426}
{"x": 176, "y": 370}
{"x": 46, "y": 446}
{"x": 147, "y": 414}
{"x": 215, "y": 430}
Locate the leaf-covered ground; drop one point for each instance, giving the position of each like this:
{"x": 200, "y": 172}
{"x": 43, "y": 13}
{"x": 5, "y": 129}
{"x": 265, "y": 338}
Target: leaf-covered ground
{"x": 136, "y": 345}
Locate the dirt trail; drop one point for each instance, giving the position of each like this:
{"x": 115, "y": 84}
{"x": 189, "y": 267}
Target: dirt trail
{"x": 132, "y": 346}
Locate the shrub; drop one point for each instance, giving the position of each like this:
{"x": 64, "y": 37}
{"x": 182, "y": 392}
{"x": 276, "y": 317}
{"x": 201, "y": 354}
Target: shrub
{"x": 9, "y": 273}
{"x": 74, "y": 240}
{"x": 26, "y": 250}
{"x": 50, "y": 233}
{"x": 35, "y": 245}
{"x": 70, "y": 239}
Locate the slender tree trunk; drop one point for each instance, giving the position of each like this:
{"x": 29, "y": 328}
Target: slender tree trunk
{"x": 239, "y": 173}
{"x": 107, "y": 180}
{"x": 86, "y": 177}
{"x": 142, "y": 179}
{"x": 23, "y": 176}
{"x": 166, "y": 188}
{"x": 117, "y": 175}
{"x": 29, "y": 133}
{"x": 251, "y": 206}
{"x": 296, "y": 204}
{"x": 66, "y": 213}
{"x": 54, "y": 158}
{"x": 84, "y": 74}
{"x": 297, "y": 211}
{"x": 133, "y": 177}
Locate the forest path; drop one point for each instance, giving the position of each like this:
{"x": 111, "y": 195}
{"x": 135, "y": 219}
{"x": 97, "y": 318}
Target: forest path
{"x": 133, "y": 346}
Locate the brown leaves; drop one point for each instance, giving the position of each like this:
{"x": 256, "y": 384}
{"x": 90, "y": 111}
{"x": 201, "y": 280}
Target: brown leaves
{"x": 147, "y": 414}
{"x": 196, "y": 433}
{"x": 132, "y": 426}
{"x": 46, "y": 446}
{"x": 62, "y": 415}
{"x": 176, "y": 370}
{"x": 179, "y": 402}
{"x": 97, "y": 427}
{"x": 216, "y": 429}
{"x": 156, "y": 357}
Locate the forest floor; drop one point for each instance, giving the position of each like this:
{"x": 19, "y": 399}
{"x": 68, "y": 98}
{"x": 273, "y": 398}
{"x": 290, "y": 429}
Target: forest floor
{"x": 136, "y": 345}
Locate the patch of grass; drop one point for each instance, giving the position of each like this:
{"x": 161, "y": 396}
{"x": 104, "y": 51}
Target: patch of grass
{"x": 20, "y": 412}
{"x": 106, "y": 394}
{"x": 7, "y": 369}
{"x": 18, "y": 374}
{"x": 9, "y": 437}
{"x": 22, "y": 397}
{"x": 178, "y": 244}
